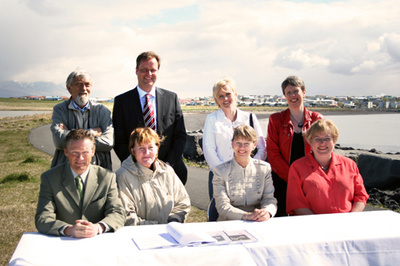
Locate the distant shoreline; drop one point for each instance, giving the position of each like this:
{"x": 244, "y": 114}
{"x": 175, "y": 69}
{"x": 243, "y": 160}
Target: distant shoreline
{"x": 198, "y": 123}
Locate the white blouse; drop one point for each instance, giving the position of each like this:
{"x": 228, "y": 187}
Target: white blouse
{"x": 218, "y": 134}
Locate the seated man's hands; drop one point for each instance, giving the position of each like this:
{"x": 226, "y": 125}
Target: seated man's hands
{"x": 82, "y": 229}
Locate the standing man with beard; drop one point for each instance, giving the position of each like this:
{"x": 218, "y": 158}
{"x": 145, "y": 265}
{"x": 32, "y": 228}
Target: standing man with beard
{"x": 80, "y": 112}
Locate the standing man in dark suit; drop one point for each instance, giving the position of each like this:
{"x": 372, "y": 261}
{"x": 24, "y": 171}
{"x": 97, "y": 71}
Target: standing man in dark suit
{"x": 130, "y": 106}
{"x": 76, "y": 198}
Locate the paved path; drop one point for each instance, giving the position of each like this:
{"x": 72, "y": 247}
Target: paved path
{"x": 196, "y": 185}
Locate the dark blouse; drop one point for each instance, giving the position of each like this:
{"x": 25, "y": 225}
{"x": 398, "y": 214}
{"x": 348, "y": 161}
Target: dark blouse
{"x": 297, "y": 147}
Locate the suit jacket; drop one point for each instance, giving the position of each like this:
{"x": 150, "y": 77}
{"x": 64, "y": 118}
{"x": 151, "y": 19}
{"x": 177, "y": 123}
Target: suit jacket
{"x": 59, "y": 203}
{"x": 128, "y": 115}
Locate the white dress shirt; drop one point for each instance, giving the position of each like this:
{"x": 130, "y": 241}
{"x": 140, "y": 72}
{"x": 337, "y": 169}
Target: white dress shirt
{"x": 142, "y": 97}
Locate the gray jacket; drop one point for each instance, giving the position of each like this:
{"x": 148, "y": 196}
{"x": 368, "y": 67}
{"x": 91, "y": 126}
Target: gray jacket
{"x": 238, "y": 190}
{"x": 97, "y": 115}
{"x": 151, "y": 197}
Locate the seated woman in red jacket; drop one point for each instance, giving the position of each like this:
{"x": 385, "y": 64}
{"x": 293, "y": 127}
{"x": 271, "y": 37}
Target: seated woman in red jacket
{"x": 322, "y": 181}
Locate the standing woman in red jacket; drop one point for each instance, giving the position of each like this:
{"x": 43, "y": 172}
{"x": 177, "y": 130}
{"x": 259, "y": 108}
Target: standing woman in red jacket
{"x": 285, "y": 140}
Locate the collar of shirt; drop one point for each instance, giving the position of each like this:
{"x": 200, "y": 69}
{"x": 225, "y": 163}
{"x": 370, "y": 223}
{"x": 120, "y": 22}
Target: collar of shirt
{"x": 83, "y": 175}
{"x": 241, "y": 118}
{"x": 86, "y": 107}
{"x": 142, "y": 97}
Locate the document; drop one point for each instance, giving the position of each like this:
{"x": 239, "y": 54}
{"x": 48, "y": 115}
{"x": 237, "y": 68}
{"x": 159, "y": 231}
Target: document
{"x": 178, "y": 234}
{"x": 185, "y": 236}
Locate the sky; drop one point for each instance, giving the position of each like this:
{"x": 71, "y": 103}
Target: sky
{"x": 337, "y": 47}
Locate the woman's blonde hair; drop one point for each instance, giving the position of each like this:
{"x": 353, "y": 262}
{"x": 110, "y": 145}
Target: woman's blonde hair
{"x": 221, "y": 83}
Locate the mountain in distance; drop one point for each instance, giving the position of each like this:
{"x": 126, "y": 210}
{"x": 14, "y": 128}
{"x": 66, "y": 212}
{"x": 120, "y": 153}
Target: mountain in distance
{"x": 18, "y": 89}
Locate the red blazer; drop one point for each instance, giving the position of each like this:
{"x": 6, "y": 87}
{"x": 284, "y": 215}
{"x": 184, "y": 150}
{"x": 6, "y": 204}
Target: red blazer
{"x": 279, "y": 139}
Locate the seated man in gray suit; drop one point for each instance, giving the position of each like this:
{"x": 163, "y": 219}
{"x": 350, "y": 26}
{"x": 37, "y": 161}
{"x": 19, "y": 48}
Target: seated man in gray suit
{"x": 76, "y": 198}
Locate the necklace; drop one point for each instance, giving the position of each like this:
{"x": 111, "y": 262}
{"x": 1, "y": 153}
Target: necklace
{"x": 298, "y": 124}
{"x": 324, "y": 167}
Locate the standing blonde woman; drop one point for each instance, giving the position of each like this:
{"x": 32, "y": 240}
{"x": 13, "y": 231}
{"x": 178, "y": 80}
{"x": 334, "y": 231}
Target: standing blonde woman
{"x": 219, "y": 127}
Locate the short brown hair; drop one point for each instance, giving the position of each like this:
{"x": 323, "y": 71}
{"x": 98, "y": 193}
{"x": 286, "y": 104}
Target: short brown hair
{"x": 246, "y": 132}
{"x": 322, "y": 126}
{"x": 79, "y": 134}
{"x": 147, "y": 56}
{"x": 294, "y": 81}
{"x": 144, "y": 135}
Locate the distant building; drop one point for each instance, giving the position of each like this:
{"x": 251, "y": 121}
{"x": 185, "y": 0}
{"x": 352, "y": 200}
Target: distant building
{"x": 53, "y": 98}
{"x": 34, "y": 97}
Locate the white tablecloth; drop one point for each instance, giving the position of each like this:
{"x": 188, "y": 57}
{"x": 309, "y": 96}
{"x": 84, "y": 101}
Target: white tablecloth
{"x": 367, "y": 238}
{"x": 364, "y": 238}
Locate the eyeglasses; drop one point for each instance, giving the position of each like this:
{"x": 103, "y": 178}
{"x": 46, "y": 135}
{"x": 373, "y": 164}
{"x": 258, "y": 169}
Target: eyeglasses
{"x": 82, "y": 84}
{"x": 79, "y": 154}
{"x": 242, "y": 144}
{"x": 145, "y": 71}
{"x": 294, "y": 93}
{"x": 322, "y": 140}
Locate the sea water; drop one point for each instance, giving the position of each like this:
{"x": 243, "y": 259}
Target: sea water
{"x": 379, "y": 131}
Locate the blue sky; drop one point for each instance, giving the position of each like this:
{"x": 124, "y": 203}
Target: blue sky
{"x": 338, "y": 47}
{"x": 171, "y": 16}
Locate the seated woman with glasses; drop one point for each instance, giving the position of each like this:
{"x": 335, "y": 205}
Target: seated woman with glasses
{"x": 243, "y": 188}
{"x": 322, "y": 181}
{"x": 150, "y": 191}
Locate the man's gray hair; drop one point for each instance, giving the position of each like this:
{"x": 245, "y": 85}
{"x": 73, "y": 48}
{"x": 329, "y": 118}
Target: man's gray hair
{"x": 79, "y": 72}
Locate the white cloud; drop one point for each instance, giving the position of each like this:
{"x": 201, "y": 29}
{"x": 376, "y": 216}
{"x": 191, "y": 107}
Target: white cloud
{"x": 335, "y": 46}
{"x": 298, "y": 59}
{"x": 391, "y": 45}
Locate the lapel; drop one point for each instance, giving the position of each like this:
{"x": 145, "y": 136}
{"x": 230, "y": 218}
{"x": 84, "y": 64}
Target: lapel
{"x": 69, "y": 183}
{"x": 161, "y": 104}
{"x": 90, "y": 187}
{"x": 135, "y": 108}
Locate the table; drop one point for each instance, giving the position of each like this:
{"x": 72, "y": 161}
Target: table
{"x": 366, "y": 238}
{"x": 363, "y": 238}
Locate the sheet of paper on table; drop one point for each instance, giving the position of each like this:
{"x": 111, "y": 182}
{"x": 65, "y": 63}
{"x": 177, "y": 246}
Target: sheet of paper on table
{"x": 182, "y": 235}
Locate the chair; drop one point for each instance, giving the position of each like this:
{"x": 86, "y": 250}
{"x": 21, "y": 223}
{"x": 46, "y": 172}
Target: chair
{"x": 212, "y": 213}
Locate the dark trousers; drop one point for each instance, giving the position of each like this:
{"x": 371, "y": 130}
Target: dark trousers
{"x": 280, "y": 186}
{"x": 210, "y": 185}
{"x": 181, "y": 171}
